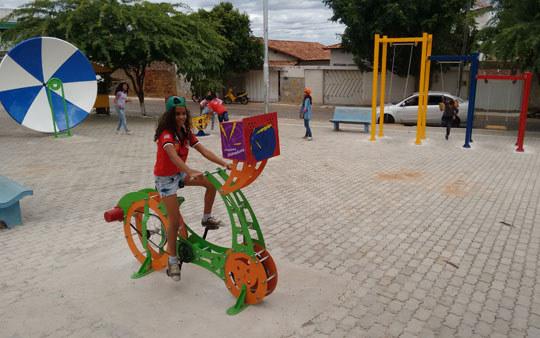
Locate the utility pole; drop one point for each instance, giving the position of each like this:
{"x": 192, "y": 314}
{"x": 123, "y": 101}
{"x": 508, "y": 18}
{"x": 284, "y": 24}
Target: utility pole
{"x": 464, "y": 47}
{"x": 265, "y": 66}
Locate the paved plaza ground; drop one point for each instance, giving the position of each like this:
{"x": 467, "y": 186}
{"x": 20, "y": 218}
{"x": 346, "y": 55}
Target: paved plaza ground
{"x": 370, "y": 239}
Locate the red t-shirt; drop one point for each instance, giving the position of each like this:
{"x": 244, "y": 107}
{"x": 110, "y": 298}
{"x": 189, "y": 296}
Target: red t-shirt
{"x": 164, "y": 166}
{"x": 217, "y": 107}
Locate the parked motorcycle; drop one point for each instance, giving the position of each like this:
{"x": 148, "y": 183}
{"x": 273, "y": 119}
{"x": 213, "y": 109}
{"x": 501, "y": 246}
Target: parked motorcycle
{"x": 238, "y": 97}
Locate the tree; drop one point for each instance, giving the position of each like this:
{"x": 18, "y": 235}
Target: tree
{"x": 513, "y": 34}
{"x": 244, "y": 51}
{"x": 124, "y": 34}
{"x": 446, "y": 20}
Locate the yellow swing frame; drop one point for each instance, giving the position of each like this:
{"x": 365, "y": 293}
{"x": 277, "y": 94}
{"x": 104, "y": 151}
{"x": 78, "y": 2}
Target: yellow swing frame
{"x": 425, "y": 64}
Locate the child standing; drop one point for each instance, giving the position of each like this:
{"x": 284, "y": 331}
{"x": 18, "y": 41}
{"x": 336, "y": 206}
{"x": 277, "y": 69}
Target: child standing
{"x": 215, "y": 106}
{"x": 449, "y": 115}
{"x": 206, "y": 109}
{"x": 173, "y": 136}
{"x": 305, "y": 113}
{"x": 120, "y": 99}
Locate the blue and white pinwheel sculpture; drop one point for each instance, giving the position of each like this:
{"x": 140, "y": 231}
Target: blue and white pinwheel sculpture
{"x": 25, "y": 72}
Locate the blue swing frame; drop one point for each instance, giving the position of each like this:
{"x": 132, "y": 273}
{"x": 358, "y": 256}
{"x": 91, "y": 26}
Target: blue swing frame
{"x": 472, "y": 89}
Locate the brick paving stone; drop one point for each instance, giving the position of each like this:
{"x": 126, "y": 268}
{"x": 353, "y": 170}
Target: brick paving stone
{"x": 414, "y": 326}
{"x": 391, "y": 257}
{"x": 452, "y": 321}
{"x": 356, "y": 332}
{"x": 464, "y": 331}
{"x": 501, "y": 326}
{"x": 533, "y": 332}
{"x": 408, "y": 335}
{"x": 338, "y": 334}
{"x": 517, "y": 334}
{"x": 446, "y": 332}
{"x": 484, "y": 329}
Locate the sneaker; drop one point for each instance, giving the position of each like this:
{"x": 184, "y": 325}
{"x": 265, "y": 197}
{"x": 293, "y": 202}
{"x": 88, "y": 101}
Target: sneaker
{"x": 117, "y": 131}
{"x": 304, "y": 137}
{"x": 129, "y": 132}
{"x": 310, "y": 138}
{"x": 447, "y": 137}
{"x": 212, "y": 223}
{"x": 173, "y": 271}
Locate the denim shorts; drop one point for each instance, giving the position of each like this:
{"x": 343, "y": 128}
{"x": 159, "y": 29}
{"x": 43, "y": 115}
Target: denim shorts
{"x": 168, "y": 185}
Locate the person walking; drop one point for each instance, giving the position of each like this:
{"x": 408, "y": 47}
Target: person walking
{"x": 449, "y": 115}
{"x": 305, "y": 113}
{"x": 120, "y": 99}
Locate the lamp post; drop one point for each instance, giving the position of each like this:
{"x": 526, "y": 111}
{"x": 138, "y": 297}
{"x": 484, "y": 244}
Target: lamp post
{"x": 265, "y": 66}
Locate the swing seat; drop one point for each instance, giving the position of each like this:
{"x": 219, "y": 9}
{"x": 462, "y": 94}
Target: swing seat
{"x": 493, "y": 127}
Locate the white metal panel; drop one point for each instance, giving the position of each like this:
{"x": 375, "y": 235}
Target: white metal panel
{"x": 343, "y": 87}
{"x": 499, "y": 95}
{"x": 255, "y": 85}
{"x": 314, "y": 79}
{"x": 274, "y": 83}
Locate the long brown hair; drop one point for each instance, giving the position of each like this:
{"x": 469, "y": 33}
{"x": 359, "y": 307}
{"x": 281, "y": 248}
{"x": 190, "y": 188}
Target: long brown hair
{"x": 307, "y": 96}
{"x": 120, "y": 88}
{"x": 167, "y": 121}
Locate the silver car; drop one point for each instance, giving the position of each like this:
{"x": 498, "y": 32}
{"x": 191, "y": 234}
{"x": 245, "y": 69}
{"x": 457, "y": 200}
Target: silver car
{"x": 406, "y": 110}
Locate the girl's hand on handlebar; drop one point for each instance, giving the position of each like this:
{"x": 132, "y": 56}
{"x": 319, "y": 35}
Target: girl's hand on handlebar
{"x": 228, "y": 166}
{"x": 194, "y": 175}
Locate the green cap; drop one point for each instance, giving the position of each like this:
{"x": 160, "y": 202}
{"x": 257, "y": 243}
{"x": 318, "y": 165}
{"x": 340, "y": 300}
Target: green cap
{"x": 174, "y": 101}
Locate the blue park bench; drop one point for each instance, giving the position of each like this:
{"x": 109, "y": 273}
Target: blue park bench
{"x": 10, "y": 194}
{"x": 354, "y": 115}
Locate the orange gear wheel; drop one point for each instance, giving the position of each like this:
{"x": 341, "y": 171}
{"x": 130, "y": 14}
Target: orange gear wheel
{"x": 240, "y": 178}
{"x": 156, "y": 228}
{"x": 242, "y": 269}
{"x": 269, "y": 267}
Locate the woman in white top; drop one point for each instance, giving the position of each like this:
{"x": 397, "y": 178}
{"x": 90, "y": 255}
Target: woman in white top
{"x": 120, "y": 99}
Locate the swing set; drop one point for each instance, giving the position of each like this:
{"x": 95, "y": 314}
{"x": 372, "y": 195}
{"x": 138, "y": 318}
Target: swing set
{"x": 426, "y": 41}
{"x": 524, "y": 101}
{"x": 472, "y": 88}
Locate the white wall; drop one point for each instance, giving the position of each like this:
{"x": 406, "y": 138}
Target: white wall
{"x": 314, "y": 79}
{"x": 448, "y": 81}
{"x": 339, "y": 57}
{"x": 255, "y": 85}
{"x": 293, "y": 71}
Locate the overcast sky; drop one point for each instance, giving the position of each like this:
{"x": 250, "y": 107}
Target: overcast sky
{"x": 299, "y": 20}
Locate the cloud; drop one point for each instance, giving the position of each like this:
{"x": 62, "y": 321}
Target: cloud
{"x": 299, "y": 20}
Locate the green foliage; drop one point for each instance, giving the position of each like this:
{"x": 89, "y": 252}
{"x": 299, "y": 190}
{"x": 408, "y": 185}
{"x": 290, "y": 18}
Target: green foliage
{"x": 513, "y": 34}
{"x": 243, "y": 50}
{"x": 125, "y": 34}
{"x": 446, "y": 20}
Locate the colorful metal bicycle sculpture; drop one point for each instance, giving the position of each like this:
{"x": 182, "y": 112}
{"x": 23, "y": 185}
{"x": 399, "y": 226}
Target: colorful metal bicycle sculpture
{"x": 247, "y": 268}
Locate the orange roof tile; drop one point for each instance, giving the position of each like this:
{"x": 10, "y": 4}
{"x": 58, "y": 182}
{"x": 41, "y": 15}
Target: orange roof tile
{"x": 336, "y": 46}
{"x": 281, "y": 63}
{"x": 305, "y": 51}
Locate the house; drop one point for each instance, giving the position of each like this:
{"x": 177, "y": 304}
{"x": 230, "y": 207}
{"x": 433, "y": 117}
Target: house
{"x": 329, "y": 71}
{"x": 287, "y": 63}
